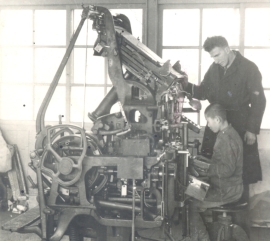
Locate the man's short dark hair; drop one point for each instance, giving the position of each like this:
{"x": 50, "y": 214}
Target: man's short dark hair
{"x": 215, "y": 41}
{"x": 216, "y": 110}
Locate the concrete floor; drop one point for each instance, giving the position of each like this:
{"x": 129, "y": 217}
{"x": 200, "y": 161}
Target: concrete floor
{"x": 9, "y": 236}
{"x": 257, "y": 234}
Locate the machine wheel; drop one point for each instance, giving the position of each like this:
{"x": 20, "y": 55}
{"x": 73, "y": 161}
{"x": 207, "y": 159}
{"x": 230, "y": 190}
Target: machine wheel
{"x": 65, "y": 164}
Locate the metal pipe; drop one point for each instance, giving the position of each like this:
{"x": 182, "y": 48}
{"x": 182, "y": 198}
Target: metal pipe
{"x": 185, "y": 136}
{"x": 163, "y": 193}
{"x": 187, "y": 221}
{"x": 112, "y": 132}
{"x": 133, "y": 210}
{"x": 157, "y": 194}
{"x": 165, "y": 190}
{"x": 122, "y": 206}
{"x": 117, "y": 205}
{"x": 44, "y": 178}
{"x": 142, "y": 203}
{"x": 43, "y": 219}
{"x": 20, "y": 169}
{"x": 129, "y": 200}
{"x": 40, "y": 125}
{"x": 105, "y": 105}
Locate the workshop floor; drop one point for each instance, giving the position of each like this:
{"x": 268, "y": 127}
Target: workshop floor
{"x": 9, "y": 236}
{"x": 257, "y": 234}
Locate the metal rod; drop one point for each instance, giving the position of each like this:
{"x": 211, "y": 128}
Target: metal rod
{"x": 22, "y": 176}
{"x": 142, "y": 203}
{"x": 165, "y": 190}
{"x": 129, "y": 200}
{"x": 40, "y": 125}
{"x": 85, "y": 76}
{"x": 133, "y": 210}
{"x": 120, "y": 206}
{"x": 187, "y": 221}
{"x": 185, "y": 137}
{"x": 43, "y": 219}
{"x": 163, "y": 193}
{"x": 45, "y": 180}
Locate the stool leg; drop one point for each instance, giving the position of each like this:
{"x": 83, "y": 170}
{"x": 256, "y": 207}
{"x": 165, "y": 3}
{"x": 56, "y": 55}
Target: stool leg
{"x": 242, "y": 219}
{"x": 215, "y": 216}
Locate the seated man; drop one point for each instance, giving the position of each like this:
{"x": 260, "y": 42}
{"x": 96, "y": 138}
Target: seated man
{"x": 225, "y": 169}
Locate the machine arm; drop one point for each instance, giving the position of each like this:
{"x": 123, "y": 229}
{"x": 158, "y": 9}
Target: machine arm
{"x": 40, "y": 125}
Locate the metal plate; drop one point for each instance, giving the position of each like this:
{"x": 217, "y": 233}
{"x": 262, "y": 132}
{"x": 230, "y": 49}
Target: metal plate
{"x": 135, "y": 147}
{"x": 22, "y": 220}
{"x": 130, "y": 168}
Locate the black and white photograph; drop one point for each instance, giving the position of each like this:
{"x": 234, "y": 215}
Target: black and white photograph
{"x": 134, "y": 120}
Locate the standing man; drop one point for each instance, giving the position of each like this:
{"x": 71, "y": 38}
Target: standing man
{"x": 236, "y": 83}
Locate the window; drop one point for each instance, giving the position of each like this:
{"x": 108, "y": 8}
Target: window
{"x": 16, "y": 63}
{"x": 95, "y": 77}
{"x": 31, "y": 54}
{"x": 240, "y": 26}
{"x": 31, "y": 50}
{"x": 257, "y": 49}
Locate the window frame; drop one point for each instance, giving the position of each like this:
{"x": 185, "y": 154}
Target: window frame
{"x": 70, "y": 29}
{"x": 241, "y": 47}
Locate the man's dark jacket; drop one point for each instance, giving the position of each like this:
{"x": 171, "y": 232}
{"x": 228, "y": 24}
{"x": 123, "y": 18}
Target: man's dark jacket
{"x": 240, "y": 91}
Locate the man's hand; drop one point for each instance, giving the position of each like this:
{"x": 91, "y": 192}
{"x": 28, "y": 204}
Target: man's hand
{"x": 184, "y": 80}
{"x": 202, "y": 173}
{"x": 202, "y": 158}
{"x": 250, "y": 138}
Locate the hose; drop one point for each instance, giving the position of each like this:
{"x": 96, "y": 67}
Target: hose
{"x": 101, "y": 185}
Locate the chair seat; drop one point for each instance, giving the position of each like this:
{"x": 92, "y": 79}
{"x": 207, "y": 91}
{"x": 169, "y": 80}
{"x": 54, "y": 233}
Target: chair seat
{"x": 231, "y": 207}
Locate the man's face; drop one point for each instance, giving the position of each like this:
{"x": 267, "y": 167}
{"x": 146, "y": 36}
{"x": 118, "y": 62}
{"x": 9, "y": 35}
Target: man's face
{"x": 220, "y": 55}
{"x": 213, "y": 123}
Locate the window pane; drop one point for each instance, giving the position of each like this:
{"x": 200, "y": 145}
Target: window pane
{"x": 109, "y": 82}
{"x": 257, "y": 31}
{"x": 260, "y": 57}
{"x": 205, "y": 63}
{"x": 47, "y": 61}
{"x": 92, "y": 34}
{"x": 181, "y": 27}
{"x": 224, "y": 22}
{"x": 266, "y": 116}
{"x": 16, "y": 65}
{"x": 95, "y": 67}
{"x": 57, "y": 104}
{"x": 16, "y": 27}
{"x": 135, "y": 17}
{"x": 189, "y": 60}
{"x": 16, "y": 102}
{"x": 93, "y": 97}
{"x": 50, "y": 27}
